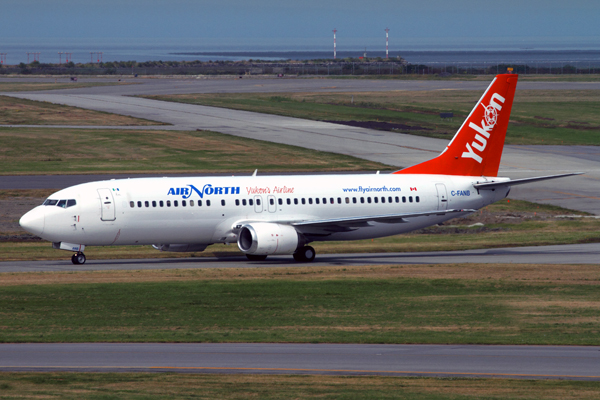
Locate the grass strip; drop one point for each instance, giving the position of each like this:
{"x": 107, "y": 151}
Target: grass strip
{"x": 204, "y": 386}
{"x": 554, "y": 117}
{"x": 372, "y": 305}
{"x": 34, "y": 86}
{"x": 14, "y": 111}
{"x": 43, "y": 151}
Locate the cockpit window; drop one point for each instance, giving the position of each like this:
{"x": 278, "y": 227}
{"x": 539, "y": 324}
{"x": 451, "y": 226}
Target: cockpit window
{"x": 71, "y": 203}
{"x": 62, "y": 203}
{"x": 49, "y": 202}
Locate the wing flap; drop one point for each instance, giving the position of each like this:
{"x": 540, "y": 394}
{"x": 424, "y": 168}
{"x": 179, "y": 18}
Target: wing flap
{"x": 352, "y": 223}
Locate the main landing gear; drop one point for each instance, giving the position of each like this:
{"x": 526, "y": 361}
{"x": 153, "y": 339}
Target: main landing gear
{"x": 78, "y": 258}
{"x": 305, "y": 254}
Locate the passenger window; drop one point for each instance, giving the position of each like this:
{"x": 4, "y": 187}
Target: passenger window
{"x": 339, "y": 200}
{"x": 354, "y": 200}
{"x": 369, "y": 200}
{"x": 417, "y": 199}
{"x": 383, "y": 199}
{"x": 280, "y": 201}
{"x": 191, "y": 203}
{"x": 168, "y": 203}
{"x": 139, "y": 204}
{"x": 376, "y": 199}
{"x": 161, "y": 203}
{"x": 347, "y": 200}
{"x": 183, "y": 203}
{"x": 250, "y": 202}
{"x": 296, "y": 201}
{"x": 390, "y": 199}
{"x": 199, "y": 203}
{"x": 153, "y": 203}
{"x": 223, "y": 202}
{"x": 303, "y": 200}
{"x": 410, "y": 199}
{"x": 147, "y": 204}
{"x": 317, "y": 200}
{"x": 258, "y": 202}
{"x": 404, "y": 199}
{"x": 331, "y": 200}
{"x": 175, "y": 203}
{"x": 288, "y": 201}
{"x": 310, "y": 200}
{"x": 272, "y": 202}
{"x": 207, "y": 203}
{"x": 132, "y": 204}
{"x": 50, "y": 202}
{"x": 397, "y": 199}
{"x": 237, "y": 202}
{"x": 71, "y": 203}
{"x": 362, "y": 200}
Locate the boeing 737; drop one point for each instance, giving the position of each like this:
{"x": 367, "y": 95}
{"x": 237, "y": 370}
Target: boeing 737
{"x": 277, "y": 215}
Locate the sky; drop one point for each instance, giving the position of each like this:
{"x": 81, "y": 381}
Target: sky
{"x": 302, "y": 21}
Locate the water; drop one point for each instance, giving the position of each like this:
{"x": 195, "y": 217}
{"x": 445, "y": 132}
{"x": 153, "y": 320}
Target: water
{"x": 422, "y": 51}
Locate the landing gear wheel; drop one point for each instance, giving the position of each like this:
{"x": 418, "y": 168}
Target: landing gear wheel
{"x": 255, "y": 257}
{"x": 78, "y": 258}
{"x": 305, "y": 254}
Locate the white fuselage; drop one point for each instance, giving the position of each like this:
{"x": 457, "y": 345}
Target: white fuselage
{"x": 206, "y": 210}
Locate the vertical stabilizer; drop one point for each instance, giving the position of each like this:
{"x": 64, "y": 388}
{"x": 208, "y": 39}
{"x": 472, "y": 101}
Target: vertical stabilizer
{"x": 476, "y": 148}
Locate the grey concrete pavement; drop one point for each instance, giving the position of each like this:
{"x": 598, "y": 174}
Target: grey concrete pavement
{"x": 562, "y": 254}
{"x": 161, "y": 86}
{"x": 564, "y": 362}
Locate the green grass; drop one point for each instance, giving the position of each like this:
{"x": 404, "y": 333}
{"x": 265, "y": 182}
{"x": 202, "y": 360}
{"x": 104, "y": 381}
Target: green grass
{"x": 185, "y": 386}
{"x": 29, "y": 86}
{"x": 567, "y": 117}
{"x": 335, "y": 309}
{"x": 45, "y": 151}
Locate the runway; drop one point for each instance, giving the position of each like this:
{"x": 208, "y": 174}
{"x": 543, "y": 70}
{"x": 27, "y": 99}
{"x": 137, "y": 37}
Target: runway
{"x": 395, "y": 149}
{"x": 564, "y": 254}
{"x": 526, "y": 362}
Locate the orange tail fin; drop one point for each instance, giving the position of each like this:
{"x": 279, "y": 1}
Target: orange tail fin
{"x": 476, "y": 148}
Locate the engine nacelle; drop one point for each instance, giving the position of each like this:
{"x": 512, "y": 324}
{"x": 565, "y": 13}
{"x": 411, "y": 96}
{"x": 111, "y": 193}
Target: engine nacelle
{"x": 179, "y": 248}
{"x": 265, "y": 238}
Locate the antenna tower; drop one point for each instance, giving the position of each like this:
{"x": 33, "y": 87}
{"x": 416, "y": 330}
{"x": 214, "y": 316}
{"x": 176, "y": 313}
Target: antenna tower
{"x": 334, "y": 49}
{"x": 386, "y": 43}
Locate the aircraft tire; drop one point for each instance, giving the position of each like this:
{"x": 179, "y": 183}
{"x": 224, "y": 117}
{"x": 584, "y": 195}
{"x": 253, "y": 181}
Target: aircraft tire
{"x": 256, "y": 257}
{"x": 305, "y": 254}
{"x": 78, "y": 259}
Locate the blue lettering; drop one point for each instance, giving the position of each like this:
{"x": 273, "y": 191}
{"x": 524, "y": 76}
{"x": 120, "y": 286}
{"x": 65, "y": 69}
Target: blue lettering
{"x": 171, "y": 191}
{"x": 187, "y": 192}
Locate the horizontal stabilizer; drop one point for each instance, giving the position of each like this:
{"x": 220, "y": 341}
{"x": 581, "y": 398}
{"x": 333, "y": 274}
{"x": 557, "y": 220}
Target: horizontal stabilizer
{"x": 495, "y": 185}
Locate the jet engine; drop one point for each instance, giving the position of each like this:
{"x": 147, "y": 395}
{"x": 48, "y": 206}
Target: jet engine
{"x": 264, "y": 238}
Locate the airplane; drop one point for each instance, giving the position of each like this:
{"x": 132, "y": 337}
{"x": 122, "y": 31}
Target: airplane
{"x": 281, "y": 215}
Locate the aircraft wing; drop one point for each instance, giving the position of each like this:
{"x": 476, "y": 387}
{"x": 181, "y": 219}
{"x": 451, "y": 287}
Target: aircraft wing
{"x": 327, "y": 226}
{"x": 495, "y": 185}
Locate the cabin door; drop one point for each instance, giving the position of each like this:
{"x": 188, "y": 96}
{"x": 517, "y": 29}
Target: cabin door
{"x": 107, "y": 205}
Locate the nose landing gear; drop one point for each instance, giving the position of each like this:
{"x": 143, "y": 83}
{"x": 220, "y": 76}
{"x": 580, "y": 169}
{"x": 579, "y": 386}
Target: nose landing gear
{"x": 78, "y": 258}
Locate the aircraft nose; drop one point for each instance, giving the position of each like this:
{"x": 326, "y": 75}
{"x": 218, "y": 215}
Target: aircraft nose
{"x": 33, "y": 221}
